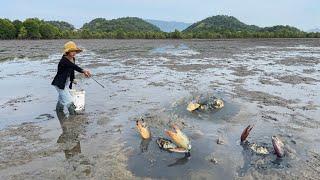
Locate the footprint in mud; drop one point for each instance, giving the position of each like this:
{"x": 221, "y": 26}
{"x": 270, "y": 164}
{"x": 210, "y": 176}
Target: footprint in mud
{"x": 195, "y": 124}
{"x": 263, "y": 156}
{"x": 203, "y": 112}
{"x": 13, "y": 102}
{"x": 45, "y": 117}
{"x": 149, "y": 151}
{"x": 148, "y": 159}
{"x": 260, "y": 162}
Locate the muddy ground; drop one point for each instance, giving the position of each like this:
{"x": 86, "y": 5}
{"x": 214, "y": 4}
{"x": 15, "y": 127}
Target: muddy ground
{"x": 272, "y": 84}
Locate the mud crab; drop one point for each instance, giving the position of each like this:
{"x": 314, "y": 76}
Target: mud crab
{"x": 277, "y": 144}
{"x": 205, "y": 103}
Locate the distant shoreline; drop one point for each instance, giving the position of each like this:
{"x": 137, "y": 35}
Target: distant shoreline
{"x": 195, "y": 39}
{"x": 215, "y": 27}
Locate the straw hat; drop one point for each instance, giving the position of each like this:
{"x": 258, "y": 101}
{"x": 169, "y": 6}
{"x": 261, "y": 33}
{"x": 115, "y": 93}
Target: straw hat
{"x": 71, "y": 46}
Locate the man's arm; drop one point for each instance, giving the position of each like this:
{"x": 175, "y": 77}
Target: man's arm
{"x": 73, "y": 66}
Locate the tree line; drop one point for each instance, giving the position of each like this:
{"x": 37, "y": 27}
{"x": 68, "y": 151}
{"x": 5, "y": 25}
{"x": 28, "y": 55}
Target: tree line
{"x": 34, "y": 28}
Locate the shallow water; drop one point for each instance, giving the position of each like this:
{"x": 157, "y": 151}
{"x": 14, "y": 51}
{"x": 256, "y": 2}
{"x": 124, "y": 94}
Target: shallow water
{"x": 148, "y": 160}
{"x": 272, "y": 84}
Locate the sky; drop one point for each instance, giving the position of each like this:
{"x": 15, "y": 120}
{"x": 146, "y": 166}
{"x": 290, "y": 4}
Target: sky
{"x": 303, "y": 14}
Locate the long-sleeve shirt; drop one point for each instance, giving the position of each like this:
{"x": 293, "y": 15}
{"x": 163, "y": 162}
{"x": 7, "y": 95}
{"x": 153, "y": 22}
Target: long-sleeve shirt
{"x": 66, "y": 69}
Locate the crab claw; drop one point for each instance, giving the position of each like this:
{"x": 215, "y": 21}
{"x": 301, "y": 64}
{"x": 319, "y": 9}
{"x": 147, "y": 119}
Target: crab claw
{"x": 246, "y": 133}
{"x": 179, "y": 137}
{"x": 143, "y": 129}
{"x": 278, "y": 146}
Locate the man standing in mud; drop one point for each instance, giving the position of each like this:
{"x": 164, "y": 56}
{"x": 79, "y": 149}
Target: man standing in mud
{"x": 65, "y": 77}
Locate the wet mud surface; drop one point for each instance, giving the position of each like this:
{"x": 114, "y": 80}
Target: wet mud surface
{"x": 271, "y": 84}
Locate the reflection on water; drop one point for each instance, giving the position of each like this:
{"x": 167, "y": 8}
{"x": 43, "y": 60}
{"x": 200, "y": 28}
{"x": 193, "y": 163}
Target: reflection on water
{"x": 71, "y": 129}
{"x": 180, "y": 161}
{"x": 144, "y": 145}
{"x": 175, "y": 50}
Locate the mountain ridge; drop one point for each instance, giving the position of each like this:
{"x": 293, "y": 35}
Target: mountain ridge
{"x": 169, "y": 26}
{"x": 126, "y": 24}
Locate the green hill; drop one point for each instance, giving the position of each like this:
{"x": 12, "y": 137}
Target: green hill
{"x": 215, "y": 27}
{"x": 62, "y": 25}
{"x": 220, "y": 23}
{"x": 280, "y": 28}
{"x": 126, "y": 24}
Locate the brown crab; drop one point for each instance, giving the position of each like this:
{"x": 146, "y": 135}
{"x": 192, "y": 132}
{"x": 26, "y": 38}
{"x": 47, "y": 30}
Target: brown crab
{"x": 277, "y": 144}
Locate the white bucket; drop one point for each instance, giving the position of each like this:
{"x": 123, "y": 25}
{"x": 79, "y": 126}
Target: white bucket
{"x": 78, "y": 97}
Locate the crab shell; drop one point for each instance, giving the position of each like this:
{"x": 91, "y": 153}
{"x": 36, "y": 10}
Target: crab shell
{"x": 165, "y": 143}
{"x": 193, "y": 106}
{"x": 258, "y": 149}
{"x": 179, "y": 138}
{"x": 168, "y": 145}
{"x": 218, "y": 104}
{"x": 143, "y": 129}
{"x": 278, "y": 146}
{"x": 179, "y": 150}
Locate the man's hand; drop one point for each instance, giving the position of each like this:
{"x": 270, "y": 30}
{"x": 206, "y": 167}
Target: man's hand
{"x": 75, "y": 81}
{"x": 87, "y": 73}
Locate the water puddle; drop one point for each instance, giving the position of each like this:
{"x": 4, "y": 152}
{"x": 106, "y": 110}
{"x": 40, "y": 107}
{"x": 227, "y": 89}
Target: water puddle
{"x": 148, "y": 160}
{"x": 177, "y": 50}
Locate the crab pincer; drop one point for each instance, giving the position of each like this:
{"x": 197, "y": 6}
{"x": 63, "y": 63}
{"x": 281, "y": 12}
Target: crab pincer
{"x": 143, "y": 129}
{"x": 278, "y": 146}
{"x": 179, "y": 137}
{"x": 246, "y": 133}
